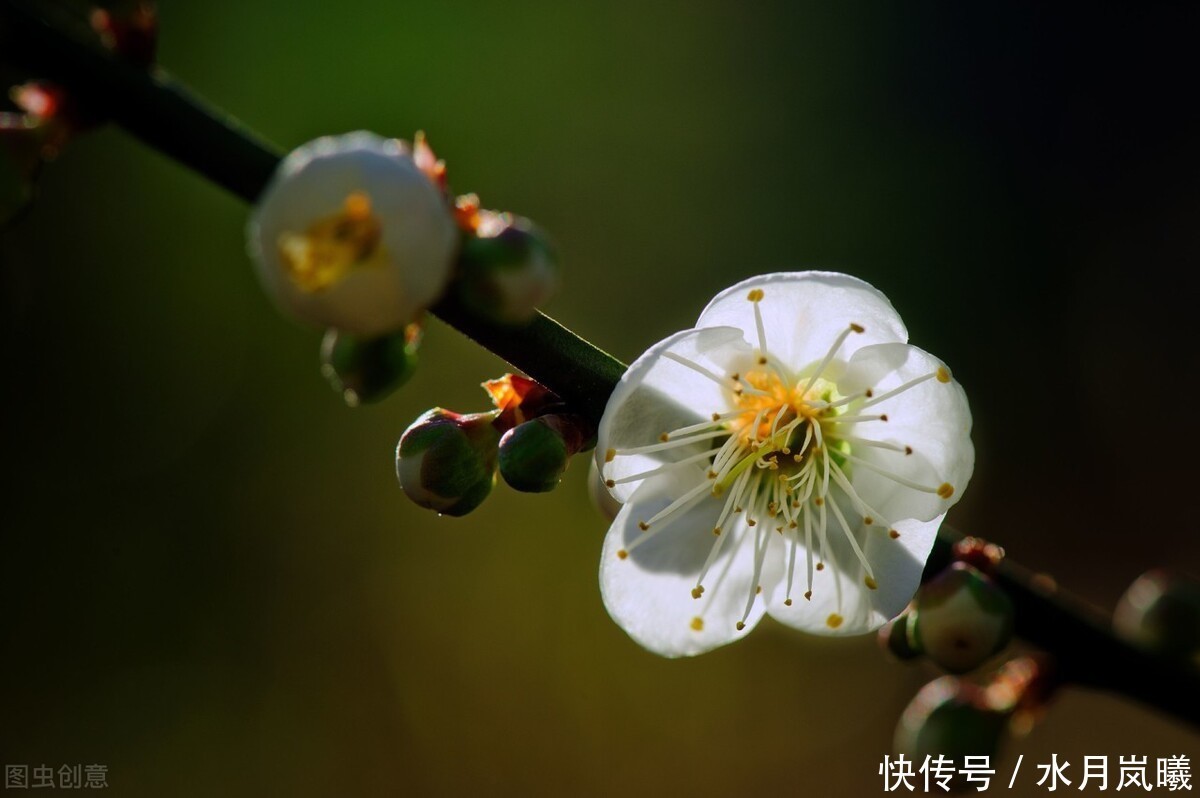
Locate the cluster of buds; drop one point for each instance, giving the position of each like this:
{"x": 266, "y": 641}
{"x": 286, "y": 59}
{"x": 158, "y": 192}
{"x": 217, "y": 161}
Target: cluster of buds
{"x": 361, "y": 234}
{"x": 957, "y": 718}
{"x": 47, "y": 116}
{"x": 448, "y": 462}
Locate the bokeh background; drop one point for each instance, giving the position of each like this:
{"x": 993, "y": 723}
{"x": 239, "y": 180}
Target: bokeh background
{"x": 210, "y": 580}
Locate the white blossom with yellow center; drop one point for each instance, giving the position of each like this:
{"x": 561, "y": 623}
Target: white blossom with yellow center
{"x": 351, "y": 234}
{"x": 791, "y": 455}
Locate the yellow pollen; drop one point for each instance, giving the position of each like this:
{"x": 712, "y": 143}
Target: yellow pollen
{"x": 697, "y": 624}
{"x": 697, "y": 592}
{"x": 755, "y": 295}
{"x": 871, "y": 583}
{"x": 858, "y": 328}
{"x": 943, "y": 375}
{"x": 833, "y": 621}
{"x": 322, "y": 256}
{"x": 622, "y": 554}
{"x": 610, "y": 455}
{"x": 945, "y": 490}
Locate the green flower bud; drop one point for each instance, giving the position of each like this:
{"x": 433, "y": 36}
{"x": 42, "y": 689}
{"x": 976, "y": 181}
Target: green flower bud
{"x": 898, "y": 636}
{"x": 447, "y": 462}
{"x": 507, "y": 269}
{"x": 950, "y": 718}
{"x": 367, "y": 370}
{"x": 534, "y": 455}
{"x": 1161, "y": 611}
{"x": 963, "y": 618}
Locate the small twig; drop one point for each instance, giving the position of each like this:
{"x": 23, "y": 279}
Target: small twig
{"x": 161, "y": 113}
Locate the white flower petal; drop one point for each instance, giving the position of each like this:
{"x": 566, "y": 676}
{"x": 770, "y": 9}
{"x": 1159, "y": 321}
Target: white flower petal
{"x": 897, "y": 564}
{"x": 648, "y": 592}
{"x": 658, "y": 394}
{"x": 417, "y": 233}
{"x": 932, "y": 417}
{"x": 803, "y": 312}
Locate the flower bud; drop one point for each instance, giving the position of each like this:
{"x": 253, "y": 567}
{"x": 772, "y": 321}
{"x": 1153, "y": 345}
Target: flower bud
{"x": 1161, "y": 611}
{"x": 366, "y": 370}
{"x": 446, "y": 462}
{"x": 351, "y": 234}
{"x": 534, "y": 455}
{"x": 507, "y": 269}
{"x": 898, "y": 636}
{"x": 951, "y": 718}
{"x": 963, "y": 618}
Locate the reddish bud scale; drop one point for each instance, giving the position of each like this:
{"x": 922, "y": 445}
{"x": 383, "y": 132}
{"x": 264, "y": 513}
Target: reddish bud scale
{"x": 979, "y": 554}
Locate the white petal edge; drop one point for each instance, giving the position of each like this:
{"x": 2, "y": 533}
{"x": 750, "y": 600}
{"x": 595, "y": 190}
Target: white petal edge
{"x": 657, "y": 394}
{"x": 897, "y": 564}
{"x": 932, "y": 417}
{"x": 648, "y": 593}
{"x": 803, "y": 312}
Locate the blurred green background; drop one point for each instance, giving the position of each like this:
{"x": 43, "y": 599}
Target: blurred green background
{"x": 211, "y": 582}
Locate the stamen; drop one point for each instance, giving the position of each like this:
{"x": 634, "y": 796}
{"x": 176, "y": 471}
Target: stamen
{"x": 901, "y": 389}
{"x": 670, "y": 444}
{"x": 858, "y": 552}
{"x": 855, "y": 419}
{"x": 696, "y": 367}
{"x": 661, "y": 469}
{"x": 837, "y": 344}
{"x": 760, "y": 553}
{"x": 703, "y": 425}
{"x": 891, "y": 447}
{"x": 684, "y": 500}
{"x": 945, "y": 490}
{"x": 758, "y": 320}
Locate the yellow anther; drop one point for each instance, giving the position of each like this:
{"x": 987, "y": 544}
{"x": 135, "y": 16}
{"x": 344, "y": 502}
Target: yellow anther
{"x": 833, "y": 621}
{"x": 697, "y": 624}
{"x": 755, "y": 295}
{"x": 740, "y": 626}
{"x": 787, "y": 602}
{"x": 610, "y": 455}
{"x": 871, "y": 583}
{"x": 622, "y": 554}
{"x": 893, "y": 534}
{"x": 945, "y": 490}
{"x": 642, "y": 525}
{"x": 858, "y": 328}
{"x": 697, "y": 592}
{"x": 808, "y": 595}
{"x": 820, "y": 566}
{"x": 612, "y": 483}
{"x": 943, "y": 374}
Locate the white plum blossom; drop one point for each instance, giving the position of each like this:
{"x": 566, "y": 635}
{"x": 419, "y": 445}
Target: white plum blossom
{"x": 352, "y": 234}
{"x": 790, "y": 455}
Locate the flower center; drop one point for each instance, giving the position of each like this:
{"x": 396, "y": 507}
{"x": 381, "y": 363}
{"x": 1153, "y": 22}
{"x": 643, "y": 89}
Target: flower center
{"x": 323, "y": 255}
